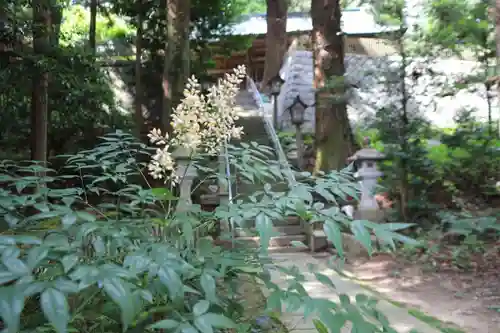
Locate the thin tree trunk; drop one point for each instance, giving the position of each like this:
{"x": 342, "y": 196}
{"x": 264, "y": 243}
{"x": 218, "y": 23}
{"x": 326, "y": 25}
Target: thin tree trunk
{"x": 56, "y": 15}
{"x": 496, "y": 11}
{"x": 182, "y": 52}
{"x": 167, "y": 62}
{"x": 177, "y": 55}
{"x": 93, "y": 26}
{"x": 39, "y": 109}
{"x": 139, "y": 119}
{"x": 333, "y": 135}
{"x": 276, "y": 39}
{"x": 4, "y": 21}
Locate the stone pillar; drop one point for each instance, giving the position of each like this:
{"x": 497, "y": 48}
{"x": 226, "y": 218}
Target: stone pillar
{"x": 368, "y": 174}
{"x": 223, "y": 185}
{"x": 186, "y": 174}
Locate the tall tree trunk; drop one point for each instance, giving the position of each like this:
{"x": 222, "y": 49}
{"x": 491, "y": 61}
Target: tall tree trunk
{"x": 4, "y": 21}
{"x": 93, "y": 26}
{"x": 39, "y": 114}
{"x": 177, "y": 55}
{"x": 276, "y": 39}
{"x": 139, "y": 119}
{"x": 56, "y": 15}
{"x": 496, "y": 4}
{"x": 333, "y": 135}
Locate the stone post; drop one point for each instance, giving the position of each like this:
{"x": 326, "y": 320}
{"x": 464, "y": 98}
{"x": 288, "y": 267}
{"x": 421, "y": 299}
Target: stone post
{"x": 224, "y": 184}
{"x": 368, "y": 174}
{"x": 186, "y": 174}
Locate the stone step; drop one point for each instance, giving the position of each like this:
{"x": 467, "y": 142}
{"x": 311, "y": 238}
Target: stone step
{"x": 286, "y": 222}
{"x": 282, "y": 230}
{"x": 275, "y": 242}
{"x": 287, "y": 249}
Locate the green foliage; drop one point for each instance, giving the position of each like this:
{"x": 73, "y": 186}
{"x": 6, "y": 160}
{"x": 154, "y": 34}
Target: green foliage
{"x": 79, "y": 108}
{"x": 117, "y": 257}
{"x": 461, "y": 169}
{"x": 388, "y": 12}
{"x": 460, "y": 24}
{"x": 468, "y": 159}
{"x": 75, "y": 27}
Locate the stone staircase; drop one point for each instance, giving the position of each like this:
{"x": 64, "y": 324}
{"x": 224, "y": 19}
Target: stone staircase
{"x": 290, "y": 232}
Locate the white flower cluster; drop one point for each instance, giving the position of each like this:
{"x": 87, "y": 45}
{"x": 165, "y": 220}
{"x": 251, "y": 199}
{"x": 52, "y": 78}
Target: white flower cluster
{"x": 199, "y": 122}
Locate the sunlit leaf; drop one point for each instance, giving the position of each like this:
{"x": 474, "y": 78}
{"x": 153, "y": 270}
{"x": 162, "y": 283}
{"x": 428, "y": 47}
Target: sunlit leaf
{"x": 56, "y": 309}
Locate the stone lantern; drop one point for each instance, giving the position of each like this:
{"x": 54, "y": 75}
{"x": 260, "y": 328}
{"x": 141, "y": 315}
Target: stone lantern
{"x": 187, "y": 173}
{"x": 275, "y": 84}
{"x": 297, "y": 115}
{"x": 368, "y": 174}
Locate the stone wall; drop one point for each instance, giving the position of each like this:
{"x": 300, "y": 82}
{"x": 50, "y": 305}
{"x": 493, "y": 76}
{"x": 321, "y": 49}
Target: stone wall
{"x": 376, "y": 83}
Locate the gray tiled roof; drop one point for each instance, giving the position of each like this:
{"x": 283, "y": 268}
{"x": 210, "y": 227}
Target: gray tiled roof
{"x": 355, "y": 21}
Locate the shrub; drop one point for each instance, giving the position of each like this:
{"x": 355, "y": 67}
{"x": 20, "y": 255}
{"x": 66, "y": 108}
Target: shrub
{"x": 131, "y": 262}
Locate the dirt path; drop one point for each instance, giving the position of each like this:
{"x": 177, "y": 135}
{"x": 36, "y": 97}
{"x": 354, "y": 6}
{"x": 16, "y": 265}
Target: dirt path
{"x": 470, "y": 301}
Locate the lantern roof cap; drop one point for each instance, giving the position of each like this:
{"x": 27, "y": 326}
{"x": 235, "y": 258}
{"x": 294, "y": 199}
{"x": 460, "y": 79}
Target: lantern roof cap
{"x": 367, "y": 154}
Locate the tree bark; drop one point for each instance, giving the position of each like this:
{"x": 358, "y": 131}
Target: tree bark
{"x": 139, "y": 119}
{"x": 276, "y": 39}
{"x": 496, "y": 11}
{"x": 4, "y": 21}
{"x": 176, "y": 64}
{"x": 93, "y": 26}
{"x": 39, "y": 105}
{"x": 333, "y": 134}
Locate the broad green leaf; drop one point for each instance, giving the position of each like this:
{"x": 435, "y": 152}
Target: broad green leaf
{"x": 163, "y": 193}
{"x": 264, "y": 226}
{"x": 208, "y": 285}
{"x": 344, "y": 300}
{"x": 274, "y": 301}
{"x": 301, "y": 192}
{"x": 172, "y": 281}
{"x": 43, "y": 216}
{"x": 217, "y": 320}
{"x": 6, "y": 277}
{"x": 66, "y": 286}
{"x": 187, "y": 328}
{"x": 334, "y": 235}
{"x": 362, "y": 235}
{"x": 361, "y": 299}
{"x": 120, "y": 294}
{"x": 201, "y": 307}
{"x": 56, "y": 309}
{"x": 396, "y": 226}
{"x": 334, "y": 322}
{"x": 188, "y": 232}
{"x": 324, "y": 280}
{"x": 33, "y": 288}
{"x": 293, "y": 302}
{"x": 325, "y": 194}
{"x": 69, "y": 261}
{"x": 405, "y": 239}
{"x": 56, "y": 240}
{"x": 202, "y": 325}
{"x": 11, "y": 306}
{"x": 13, "y": 263}
{"x": 137, "y": 263}
{"x": 35, "y": 255}
{"x": 68, "y": 219}
{"x": 349, "y": 190}
{"x": 320, "y": 327}
{"x": 86, "y": 216}
{"x": 384, "y": 237}
{"x": 11, "y": 220}
{"x": 165, "y": 324}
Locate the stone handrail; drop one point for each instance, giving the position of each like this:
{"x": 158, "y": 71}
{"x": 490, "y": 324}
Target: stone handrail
{"x": 271, "y": 132}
